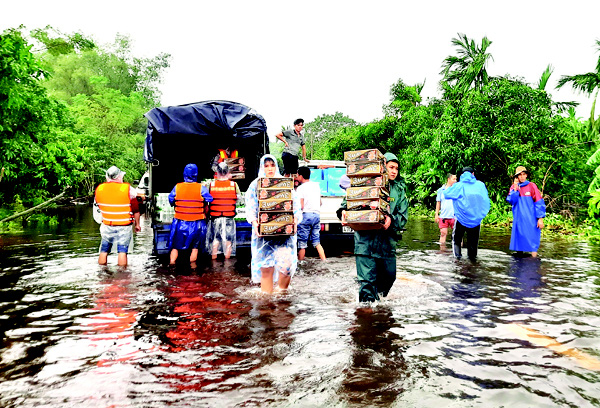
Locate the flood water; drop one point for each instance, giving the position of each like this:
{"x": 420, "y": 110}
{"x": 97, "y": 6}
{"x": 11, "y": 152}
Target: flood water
{"x": 504, "y": 332}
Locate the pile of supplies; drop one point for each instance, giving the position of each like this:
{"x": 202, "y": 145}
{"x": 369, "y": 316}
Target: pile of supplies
{"x": 368, "y": 197}
{"x": 275, "y": 206}
{"x": 236, "y": 167}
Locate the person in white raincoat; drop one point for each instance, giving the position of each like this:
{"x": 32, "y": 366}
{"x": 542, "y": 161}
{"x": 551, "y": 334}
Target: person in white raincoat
{"x": 274, "y": 259}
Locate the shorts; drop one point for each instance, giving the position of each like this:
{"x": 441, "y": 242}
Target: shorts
{"x": 122, "y": 235}
{"x": 290, "y": 163}
{"x": 309, "y": 230}
{"x": 446, "y": 223}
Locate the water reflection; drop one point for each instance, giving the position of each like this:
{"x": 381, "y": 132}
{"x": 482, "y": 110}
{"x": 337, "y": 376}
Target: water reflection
{"x": 451, "y": 333}
{"x": 527, "y": 283}
{"x": 377, "y": 370}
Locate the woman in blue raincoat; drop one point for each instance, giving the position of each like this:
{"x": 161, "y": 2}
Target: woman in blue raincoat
{"x": 188, "y": 229}
{"x": 274, "y": 259}
{"x": 529, "y": 210}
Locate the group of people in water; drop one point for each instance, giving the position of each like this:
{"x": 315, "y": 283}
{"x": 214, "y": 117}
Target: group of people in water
{"x": 204, "y": 220}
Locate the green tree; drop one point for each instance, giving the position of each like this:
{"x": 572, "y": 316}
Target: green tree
{"x": 468, "y": 69}
{"x": 320, "y": 130}
{"x": 29, "y": 122}
{"x": 588, "y": 83}
{"x": 402, "y": 98}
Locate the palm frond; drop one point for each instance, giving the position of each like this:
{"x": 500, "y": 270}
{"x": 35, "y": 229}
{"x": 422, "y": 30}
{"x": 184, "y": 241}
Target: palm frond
{"x": 545, "y": 77}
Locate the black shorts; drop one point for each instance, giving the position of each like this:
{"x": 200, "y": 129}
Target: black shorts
{"x": 290, "y": 163}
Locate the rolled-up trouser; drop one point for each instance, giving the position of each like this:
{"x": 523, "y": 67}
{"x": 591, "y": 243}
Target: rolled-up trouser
{"x": 472, "y": 240}
{"x": 375, "y": 276}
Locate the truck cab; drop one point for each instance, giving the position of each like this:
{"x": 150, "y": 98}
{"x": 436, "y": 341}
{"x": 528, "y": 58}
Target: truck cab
{"x": 195, "y": 133}
{"x": 328, "y": 173}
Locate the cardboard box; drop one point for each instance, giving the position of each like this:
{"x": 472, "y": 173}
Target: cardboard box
{"x": 366, "y": 169}
{"x": 276, "y": 217}
{"x": 234, "y": 161}
{"x": 366, "y": 193}
{"x": 364, "y": 181}
{"x": 274, "y": 194}
{"x": 275, "y": 205}
{"x": 279, "y": 183}
{"x": 361, "y": 205}
{"x": 271, "y": 229}
{"x": 365, "y": 220}
{"x": 237, "y": 168}
{"x": 368, "y": 155}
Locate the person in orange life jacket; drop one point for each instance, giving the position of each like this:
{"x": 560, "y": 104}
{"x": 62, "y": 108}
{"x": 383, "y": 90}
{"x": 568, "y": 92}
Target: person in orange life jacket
{"x": 220, "y": 157}
{"x": 309, "y": 193}
{"x": 221, "y": 225}
{"x": 188, "y": 228}
{"x": 119, "y": 207}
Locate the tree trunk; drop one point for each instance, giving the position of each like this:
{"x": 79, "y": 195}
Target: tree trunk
{"x": 32, "y": 209}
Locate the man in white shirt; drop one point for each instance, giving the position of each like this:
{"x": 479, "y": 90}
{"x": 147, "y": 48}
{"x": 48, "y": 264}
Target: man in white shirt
{"x": 309, "y": 194}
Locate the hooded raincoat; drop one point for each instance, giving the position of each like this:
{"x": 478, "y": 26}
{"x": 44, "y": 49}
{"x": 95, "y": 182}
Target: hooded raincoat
{"x": 376, "y": 249}
{"x": 527, "y": 206}
{"x": 277, "y": 252}
{"x": 188, "y": 234}
{"x": 470, "y": 199}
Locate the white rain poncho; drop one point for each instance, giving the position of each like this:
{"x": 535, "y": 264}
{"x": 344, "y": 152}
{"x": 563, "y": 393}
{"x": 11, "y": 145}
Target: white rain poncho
{"x": 278, "y": 252}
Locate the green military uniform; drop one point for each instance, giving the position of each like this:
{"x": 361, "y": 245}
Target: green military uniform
{"x": 376, "y": 250}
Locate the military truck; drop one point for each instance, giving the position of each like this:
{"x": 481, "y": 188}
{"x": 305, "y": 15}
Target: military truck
{"x": 194, "y": 133}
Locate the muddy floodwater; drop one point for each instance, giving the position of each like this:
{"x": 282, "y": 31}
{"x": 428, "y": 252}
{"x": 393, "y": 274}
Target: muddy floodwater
{"x": 503, "y": 332}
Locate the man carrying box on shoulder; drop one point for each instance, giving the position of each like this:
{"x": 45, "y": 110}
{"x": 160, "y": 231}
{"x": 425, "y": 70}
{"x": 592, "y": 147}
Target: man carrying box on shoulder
{"x": 375, "y": 250}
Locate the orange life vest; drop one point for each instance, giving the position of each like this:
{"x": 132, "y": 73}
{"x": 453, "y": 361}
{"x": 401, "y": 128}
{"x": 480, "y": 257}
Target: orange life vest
{"x": 223, "y": 155}
{"x": 114, "y": 203}
{"x": 224, "y": 198}
{"x": 189, "y": 203}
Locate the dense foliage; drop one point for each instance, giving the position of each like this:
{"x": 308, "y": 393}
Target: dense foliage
{"x": 69, "y": 111}
{"x": 491, "y": 123}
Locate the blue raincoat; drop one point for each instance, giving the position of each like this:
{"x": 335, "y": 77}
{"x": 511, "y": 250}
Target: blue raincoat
{"x": 188, "y": 234}
{"x": 279, "y": 252}
{"x": 470, "y": 199}
{"x": 527, "y": 206}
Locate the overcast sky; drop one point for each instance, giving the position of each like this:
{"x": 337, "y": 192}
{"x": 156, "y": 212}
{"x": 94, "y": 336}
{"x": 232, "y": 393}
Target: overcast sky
{"x": 304, "y": 59}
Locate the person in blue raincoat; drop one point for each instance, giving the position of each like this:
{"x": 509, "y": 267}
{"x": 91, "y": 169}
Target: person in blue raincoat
{"x": 188, "y": 229}
{"x": 471, "y": 204}
{"x": 529, "y": 210}
{"x": 375, "y": 250}
{"x": 274, "y": 259}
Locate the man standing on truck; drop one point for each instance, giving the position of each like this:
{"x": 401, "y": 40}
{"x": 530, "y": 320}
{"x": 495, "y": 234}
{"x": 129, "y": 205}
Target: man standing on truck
{"x": 188, "y": 229}
{"x": 118, "y": 205}
{"x": 309, "y": 194}
{"x": 293, "y": 140}
{"x": 375, "y": 250}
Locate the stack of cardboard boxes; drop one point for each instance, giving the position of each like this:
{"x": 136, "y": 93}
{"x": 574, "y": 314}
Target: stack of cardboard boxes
{"x": 236, "y": 167}
{"x": 275, "y": 206}
{"x": 368, "y": 197}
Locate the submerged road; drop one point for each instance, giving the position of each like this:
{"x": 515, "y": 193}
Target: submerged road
{"x": 505, "y": 331}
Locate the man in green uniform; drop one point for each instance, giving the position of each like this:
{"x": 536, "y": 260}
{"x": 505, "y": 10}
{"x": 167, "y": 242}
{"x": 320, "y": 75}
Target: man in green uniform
{"x": 375, "y": 250}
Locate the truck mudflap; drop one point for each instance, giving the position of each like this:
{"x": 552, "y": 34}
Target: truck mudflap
{"x": 162, "y": 231}
{"x": 161, "y": 238}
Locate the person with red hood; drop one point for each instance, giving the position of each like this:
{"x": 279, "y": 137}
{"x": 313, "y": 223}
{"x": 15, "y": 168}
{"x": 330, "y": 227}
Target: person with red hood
{"x": 529, "y": 211}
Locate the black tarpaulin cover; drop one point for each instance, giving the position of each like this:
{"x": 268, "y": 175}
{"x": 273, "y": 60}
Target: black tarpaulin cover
{"x": 194, "y": 133}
